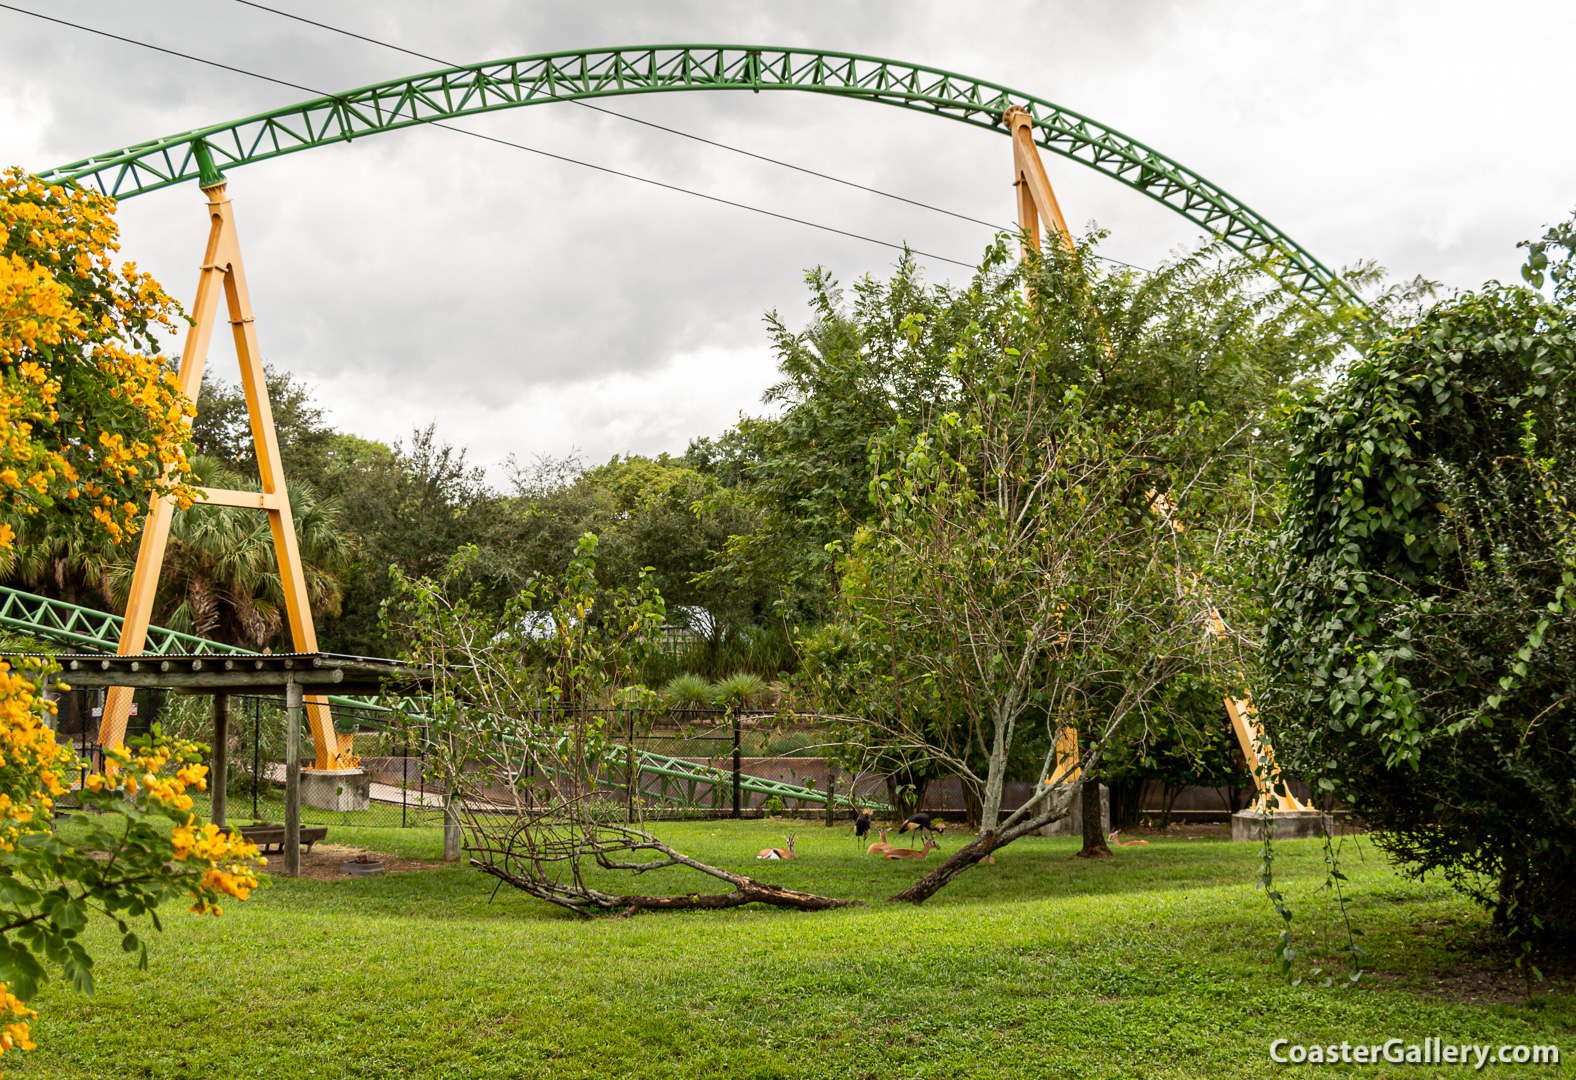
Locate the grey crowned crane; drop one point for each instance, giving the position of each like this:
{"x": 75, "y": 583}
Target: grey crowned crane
{"x": 925, "y": 823}
{"x": 862, "y": 826}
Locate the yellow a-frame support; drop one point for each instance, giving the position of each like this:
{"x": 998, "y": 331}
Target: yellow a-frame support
{"x": 1036, "y": 204}
{"x": 222, "y": 271}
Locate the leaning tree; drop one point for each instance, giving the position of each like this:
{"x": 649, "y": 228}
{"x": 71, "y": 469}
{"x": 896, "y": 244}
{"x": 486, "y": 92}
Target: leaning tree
{"x": 519, "y": 733}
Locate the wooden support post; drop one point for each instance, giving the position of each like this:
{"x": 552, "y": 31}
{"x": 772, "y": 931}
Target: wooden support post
{"x": 1260, "y": 756}
{"x": 219, "y": 773}
{"x": 293, "y": 702}
{"x": 1037, "y": 205}
{"x": 1067, "y": 770}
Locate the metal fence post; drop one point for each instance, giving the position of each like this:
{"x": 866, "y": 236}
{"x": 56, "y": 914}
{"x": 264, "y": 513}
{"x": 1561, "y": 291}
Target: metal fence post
{"x": 451, "y": 816}
{"x": 631, "y": 776}
{"x": 831, "y": 791}
{"x": 257, "y": 753}
{"x": 736, "y": 769}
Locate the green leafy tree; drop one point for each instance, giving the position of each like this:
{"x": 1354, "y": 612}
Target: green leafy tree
{"x": 656, "y": 515}
{"x": 411, "y": 507}
{"x": 846, "y": 378}
{"x": 1001, "y": 516}
{"x": 1021, "y": 572}
{"x": 222, "y": 428}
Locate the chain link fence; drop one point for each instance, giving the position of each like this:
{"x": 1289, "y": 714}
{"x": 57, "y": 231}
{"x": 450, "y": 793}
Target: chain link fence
{"x": 684, "y": 767}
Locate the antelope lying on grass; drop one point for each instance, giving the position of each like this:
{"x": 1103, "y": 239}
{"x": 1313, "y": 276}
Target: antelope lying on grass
{"x": 880, "y": 847}
{"x": 780, "y": 853}
{"x": 909, "y": 853}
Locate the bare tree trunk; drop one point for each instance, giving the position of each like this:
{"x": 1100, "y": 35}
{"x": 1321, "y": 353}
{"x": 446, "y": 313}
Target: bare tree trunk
{"x": 496, "y": 854}
{"x": 990, "y": 802}
{"x": 959, "y": 861}
{"x": 1094, "y": 845}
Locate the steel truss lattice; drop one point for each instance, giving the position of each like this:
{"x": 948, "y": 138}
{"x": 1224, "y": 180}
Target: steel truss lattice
{"x": 598, "y": 73}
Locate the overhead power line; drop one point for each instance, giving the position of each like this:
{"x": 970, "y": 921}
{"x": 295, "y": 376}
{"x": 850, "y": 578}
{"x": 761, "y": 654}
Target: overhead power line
{"x": 637, "y": 120}
{"x": 158, "y": 48}
{"x": 674, "y": 131}
{"x": 502, "y": 142}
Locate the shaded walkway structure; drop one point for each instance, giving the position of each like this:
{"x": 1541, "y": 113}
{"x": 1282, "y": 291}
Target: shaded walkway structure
{"x": 289, "y": 675}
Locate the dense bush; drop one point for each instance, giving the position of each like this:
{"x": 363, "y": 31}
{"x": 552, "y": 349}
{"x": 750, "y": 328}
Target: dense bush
{"x": 1424, "y": 621}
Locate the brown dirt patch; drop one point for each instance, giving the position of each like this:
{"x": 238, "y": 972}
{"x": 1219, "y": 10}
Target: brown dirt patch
{"x": 1178, "y": 831}
{"x": 1474, "y": 986}
{"x": 1216, "y": 830}
{"x": 323, "y": 862}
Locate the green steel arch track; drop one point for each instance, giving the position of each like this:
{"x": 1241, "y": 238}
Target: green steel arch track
{"x": 648, "y": 69}
{"x": 84, "y": 628}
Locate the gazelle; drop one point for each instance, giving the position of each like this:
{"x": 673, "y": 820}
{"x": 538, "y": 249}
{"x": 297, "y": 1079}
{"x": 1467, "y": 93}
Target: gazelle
{"x": 910, "y": 853}
{"x": 880, "y": 847}
{"x": 780, "y": 853}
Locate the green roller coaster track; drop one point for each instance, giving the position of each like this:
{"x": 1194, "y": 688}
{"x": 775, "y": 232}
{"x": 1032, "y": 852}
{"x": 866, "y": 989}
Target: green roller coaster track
{"x": 84, "y": 628}
{"x": 647, "y": 69}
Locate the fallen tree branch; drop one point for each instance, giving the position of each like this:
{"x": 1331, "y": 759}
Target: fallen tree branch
{"x": 583, "y": 900}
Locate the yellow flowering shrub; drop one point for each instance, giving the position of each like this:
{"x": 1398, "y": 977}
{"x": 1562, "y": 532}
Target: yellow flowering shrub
{"x": 134, "y": 845}
{"x": 92, "y": 419}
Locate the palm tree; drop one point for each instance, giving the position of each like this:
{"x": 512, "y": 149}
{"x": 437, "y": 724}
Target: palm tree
{"x": 55, "y": 557}
{"x": 220, "y": 579}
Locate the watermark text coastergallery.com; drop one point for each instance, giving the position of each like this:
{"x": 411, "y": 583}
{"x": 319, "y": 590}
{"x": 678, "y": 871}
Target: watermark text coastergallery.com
{"x": 1429, "y": 1051}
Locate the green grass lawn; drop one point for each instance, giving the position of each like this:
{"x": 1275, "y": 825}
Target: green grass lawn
{"x": 1155, "y": 963}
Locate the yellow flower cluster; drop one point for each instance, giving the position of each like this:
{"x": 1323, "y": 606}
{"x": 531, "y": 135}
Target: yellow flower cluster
{"x": 229, "y": 863}
{"x": 71, "y": 324}
{"x": 31, "y": 761}
{"x": 232, "y": 863}
{"x": 210, "y": 863}
{"x": 17, "y": 1034}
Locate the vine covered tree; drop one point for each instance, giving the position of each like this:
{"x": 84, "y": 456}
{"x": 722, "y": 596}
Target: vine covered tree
{"x": 1424, "y": 616}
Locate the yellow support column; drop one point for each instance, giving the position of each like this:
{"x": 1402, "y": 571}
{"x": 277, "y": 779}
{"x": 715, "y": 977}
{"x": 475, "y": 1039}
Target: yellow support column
{"x": 1036, "y": 199}
{"x": 1037, "y": 203}
{"x": 222, "y": 271}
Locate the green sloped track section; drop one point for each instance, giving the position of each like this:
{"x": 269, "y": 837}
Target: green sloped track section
{"x": 451, "y": 93}
{"x": 99, "y": 631}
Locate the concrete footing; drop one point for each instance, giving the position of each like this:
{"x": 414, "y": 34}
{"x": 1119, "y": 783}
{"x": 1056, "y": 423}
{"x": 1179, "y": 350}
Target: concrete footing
{"x": 1246, "y": 825}
{"x": 1072, "y": 824}
{"x": 340, "y": 790}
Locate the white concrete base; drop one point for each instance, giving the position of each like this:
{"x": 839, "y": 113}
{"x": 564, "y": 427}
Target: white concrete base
{"x": 1072, "y": 824}
{"x": 1246, "y": 825}
{"x": 339, "y": 790}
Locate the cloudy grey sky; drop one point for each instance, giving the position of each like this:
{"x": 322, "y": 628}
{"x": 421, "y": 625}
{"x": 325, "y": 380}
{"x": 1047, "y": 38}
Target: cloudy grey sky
{"x": 530, "y": 306}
